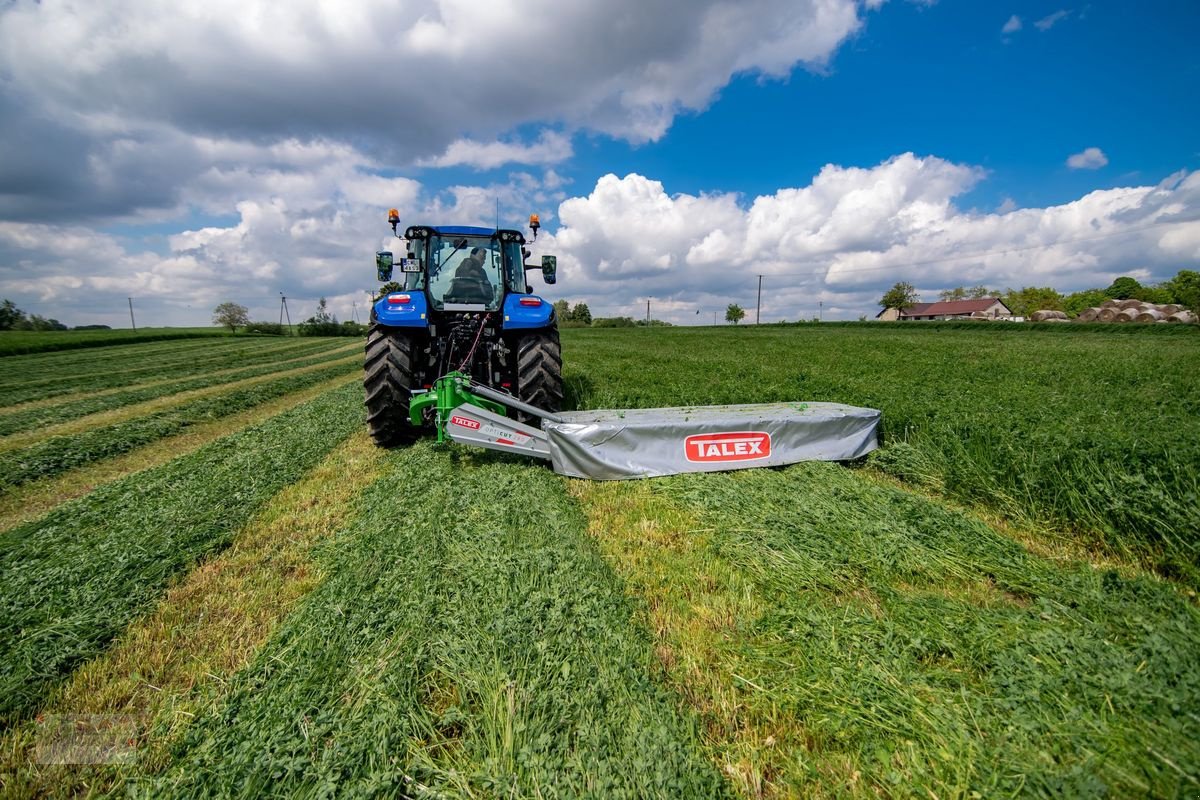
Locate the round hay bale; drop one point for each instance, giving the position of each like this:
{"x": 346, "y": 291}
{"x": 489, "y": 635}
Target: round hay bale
{"x": 1184, "y": 316}
{"x": 1150, "y": 315}
{"x": 1088, "y": 315}
{"x": 1171, "y": 308}
{"x": 1111, "y": 304}
{"x": 1128, "y": 315}
{"x": 1108, "y": 314}
{"x": 1130, "y": 303}
{"x": 1046, "y": 315}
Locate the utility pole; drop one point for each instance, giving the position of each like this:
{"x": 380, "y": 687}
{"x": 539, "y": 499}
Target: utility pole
{"x": 131, "y": 322}
{"x": 283, "y": 309}
{"x": 758, "y": 308}
{"x": 648, "y": 299}
{"x": 714, "y": 318}
{"x": 820, "y": 310}
{"x": 354, "y": 306}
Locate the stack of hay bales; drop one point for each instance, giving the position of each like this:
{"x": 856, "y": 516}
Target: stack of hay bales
{"x": 1127, "y": 311}
{"x": 1048, "y": 316}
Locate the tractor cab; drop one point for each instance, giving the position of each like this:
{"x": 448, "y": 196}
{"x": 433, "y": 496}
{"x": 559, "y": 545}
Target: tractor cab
{"x": 464, "y": 269}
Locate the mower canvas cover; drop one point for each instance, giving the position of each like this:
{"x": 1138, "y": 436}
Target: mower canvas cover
{"x": 648, "y": 443}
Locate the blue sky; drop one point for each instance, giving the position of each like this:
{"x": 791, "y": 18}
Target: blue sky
{"x": 203, "y": 152}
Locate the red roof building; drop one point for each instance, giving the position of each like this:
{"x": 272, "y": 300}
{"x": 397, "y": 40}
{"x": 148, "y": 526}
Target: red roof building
{"x": 989, "y": 307}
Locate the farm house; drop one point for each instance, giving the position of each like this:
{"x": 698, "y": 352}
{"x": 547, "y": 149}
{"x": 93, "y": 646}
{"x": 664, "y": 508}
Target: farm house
{"x": 989, "y": 307}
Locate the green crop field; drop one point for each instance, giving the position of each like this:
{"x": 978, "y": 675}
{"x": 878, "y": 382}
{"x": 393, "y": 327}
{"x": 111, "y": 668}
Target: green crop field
{"x": 212, "y": 584}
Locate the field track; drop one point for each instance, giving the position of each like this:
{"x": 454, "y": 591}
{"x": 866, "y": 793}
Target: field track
{"x": 1002, "y": 601}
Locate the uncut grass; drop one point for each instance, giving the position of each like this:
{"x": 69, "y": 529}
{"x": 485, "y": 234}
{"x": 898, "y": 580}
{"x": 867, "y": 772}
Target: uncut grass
{"x": 468, "y": 641}
{"x": 1084, "y": 431}
{"x": 31, "y": 500}
{"x": 131, "y": 367}
{"x": 842, "y": 638}
{"x": 72, "y": 580}
{"x": 57, "y": 454}
{"x": 205, "y": 629}
{"x": 91, "y": 404}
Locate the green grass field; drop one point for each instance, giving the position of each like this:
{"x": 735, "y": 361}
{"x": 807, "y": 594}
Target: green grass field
{"x": 1000, "y": 602}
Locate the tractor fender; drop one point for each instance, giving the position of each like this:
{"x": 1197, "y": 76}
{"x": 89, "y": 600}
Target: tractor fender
{"x": 410, "y": 314}
{"x": 520, "y": 313}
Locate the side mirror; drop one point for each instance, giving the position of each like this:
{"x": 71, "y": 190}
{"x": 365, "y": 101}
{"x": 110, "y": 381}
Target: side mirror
{"x": 549, "y": 267}
{"x": 383, "y": 265}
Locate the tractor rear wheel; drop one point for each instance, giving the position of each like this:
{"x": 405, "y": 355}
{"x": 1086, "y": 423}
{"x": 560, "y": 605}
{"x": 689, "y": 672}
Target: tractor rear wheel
{"x": 539, "y": 371}
{"x": 389, "y": 379}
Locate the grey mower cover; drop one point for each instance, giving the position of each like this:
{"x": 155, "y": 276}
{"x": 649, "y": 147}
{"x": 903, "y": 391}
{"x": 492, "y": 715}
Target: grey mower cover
{"x": 652, "y": 442}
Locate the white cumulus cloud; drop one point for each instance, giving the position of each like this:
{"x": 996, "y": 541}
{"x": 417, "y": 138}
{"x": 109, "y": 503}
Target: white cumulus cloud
{"x": 550, "y": 148}
{"x": 1090, "y": 158}
{"x": 1013, "y": 25}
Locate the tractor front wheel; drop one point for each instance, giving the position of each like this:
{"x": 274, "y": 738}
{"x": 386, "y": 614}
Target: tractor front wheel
{"x": 390, "y": 377}
{"x": 539, "y": 370}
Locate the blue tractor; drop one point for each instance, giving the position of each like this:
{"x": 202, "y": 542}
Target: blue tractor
{"x": 460, "y": 305}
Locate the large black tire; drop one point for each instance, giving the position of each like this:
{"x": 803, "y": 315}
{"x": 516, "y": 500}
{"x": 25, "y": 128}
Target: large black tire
{"x": 539, "y": 370}
{"x": 389, "y": 380}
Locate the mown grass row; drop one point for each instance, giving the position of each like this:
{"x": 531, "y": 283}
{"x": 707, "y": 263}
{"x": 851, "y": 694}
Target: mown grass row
{"x": 468, "y": 641}
{"x": 131, "y": 367}
{"x": 30, "y": 501}
{"x": 18, "y": 342}
{"x": 1075, "y": 430}
{"x": 57, "y": 454}
{"x": 74, "y": 579}
{"x": 207, "y": 626}
{"x": 846, "y": 639}
{"x": 92, "y": 403}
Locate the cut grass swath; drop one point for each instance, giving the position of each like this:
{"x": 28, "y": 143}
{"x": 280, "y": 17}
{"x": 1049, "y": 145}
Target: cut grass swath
{"x": 205, "y": 629}
{"x": 72, "y": 580}
{"x": 16, "y": 342}
{"x": 92, "y": 403}
{"x": 31, "y": 500}
{"x": 468, "y": 640}
{"x": 846, "y": 639}
{"x": 59, "y": 453}
{"x": 131, "y": 368}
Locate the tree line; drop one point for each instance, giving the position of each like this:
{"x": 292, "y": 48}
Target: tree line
{"x": 1183, "y": 289}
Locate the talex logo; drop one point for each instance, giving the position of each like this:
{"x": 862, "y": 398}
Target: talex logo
{"x": 733, "y": 446}
{"x": 464, "y": 422}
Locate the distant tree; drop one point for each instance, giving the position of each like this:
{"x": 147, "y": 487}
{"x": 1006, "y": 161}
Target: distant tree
{"x": 1029, "y": 299}
{"x": 1123, "y": 288}
{"x": 957, "y": 293}
{"x": 581, "y": 314}
{"x": 10, "y": 315}
{"x": 1184, "y": 289}
{"x": 231, "y": 315}
{"x": 322, "y": 316}
{"x": 613, "y": 322}
{"x": 902, "y": 296}
{"x": 38, "y": 323}
{"x": 562, "y": 309}
{"x": 734, "y": 313}
{"x": 980, "y": 292}
{"x": 1076, "y": 302}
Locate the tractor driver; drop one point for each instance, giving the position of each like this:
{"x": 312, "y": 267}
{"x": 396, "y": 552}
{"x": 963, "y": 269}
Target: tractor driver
{"x": 471, "y": 272}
